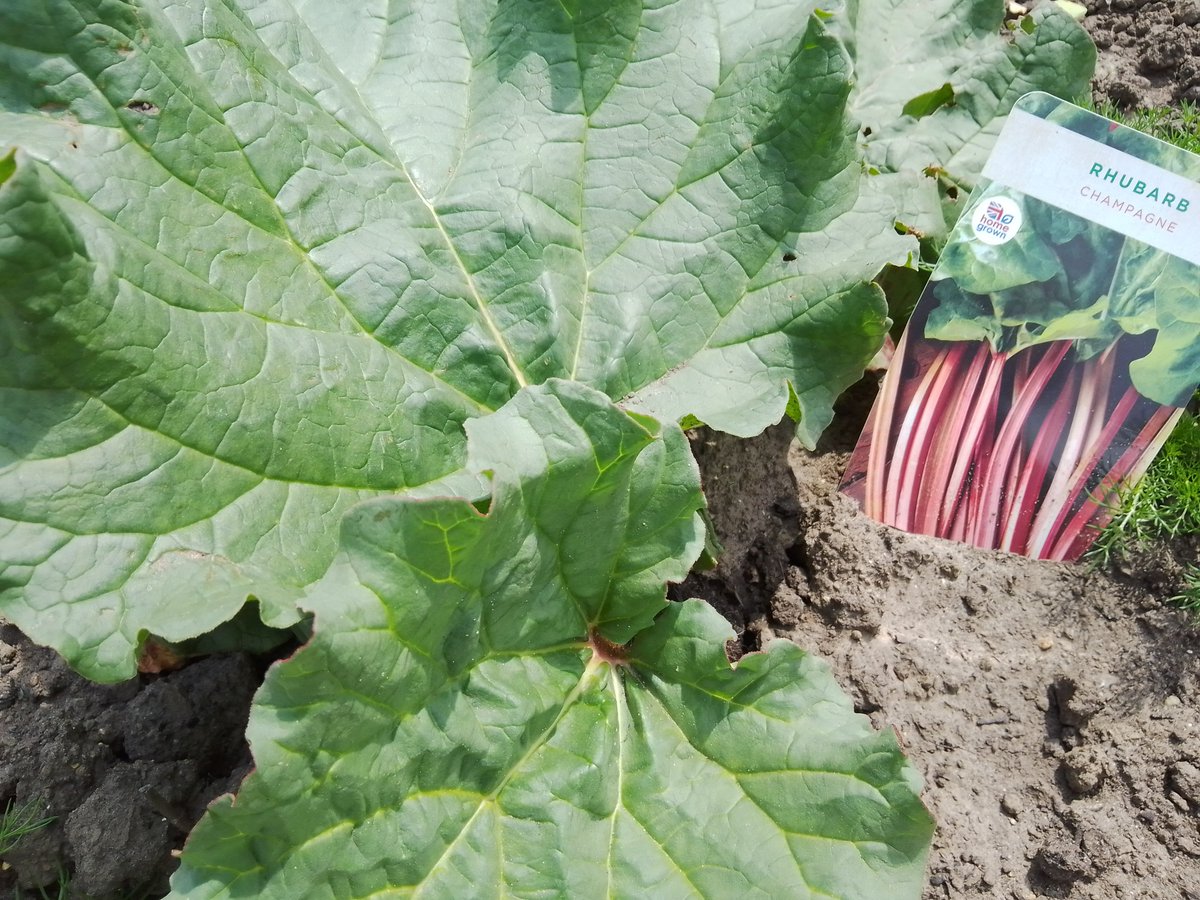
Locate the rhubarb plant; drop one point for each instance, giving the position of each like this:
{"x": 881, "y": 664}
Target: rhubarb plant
{"x": 502, "y": 703}
{"x": 265, "y": 266}
{"x": 260, "y": 261}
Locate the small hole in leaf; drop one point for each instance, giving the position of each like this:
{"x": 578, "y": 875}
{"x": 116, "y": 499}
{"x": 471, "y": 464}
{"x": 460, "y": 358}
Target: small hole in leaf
{"x": 901, "y": 228}
{"x": 866, "y": 131}
{"x": 789, "y": 256}
{"x": 734, "y": 650}
{"x": 143, "y": 106}
{"x": 952, "y": 192}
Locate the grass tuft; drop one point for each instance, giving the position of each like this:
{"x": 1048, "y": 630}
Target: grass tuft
{"x": 1189, "y": 597}
{"x": 18, "y": 820}
{"x": 1178, "y": 125}
{"x": 1164, "y": 504}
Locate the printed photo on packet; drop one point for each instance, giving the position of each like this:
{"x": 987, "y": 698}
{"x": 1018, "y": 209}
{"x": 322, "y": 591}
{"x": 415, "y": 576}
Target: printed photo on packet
{"x": 1054, "y": 347}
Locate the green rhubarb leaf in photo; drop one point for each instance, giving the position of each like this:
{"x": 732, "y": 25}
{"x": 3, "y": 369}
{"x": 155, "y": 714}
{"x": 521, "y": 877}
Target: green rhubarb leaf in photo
{"x": 1050, "y": 282}
{"x": 1154, "y": 291}
{"x": 982, "y": 268}
{"x": 501, "y": 703}
{"x": 260, "y": 260}
{"x": 936, "y": 81}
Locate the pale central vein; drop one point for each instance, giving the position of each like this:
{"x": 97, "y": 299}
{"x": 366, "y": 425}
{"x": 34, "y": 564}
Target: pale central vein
{"x": 622, "y": 728}
{"x": 476, "y": 296}
{"x": 590, "y": 674}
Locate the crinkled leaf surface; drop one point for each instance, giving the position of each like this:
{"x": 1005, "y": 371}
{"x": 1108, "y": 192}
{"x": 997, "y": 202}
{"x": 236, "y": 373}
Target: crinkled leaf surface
{"x": 936, "y": 80}
{"x": 260, "y": 260}
{"x": 457, "y": 728}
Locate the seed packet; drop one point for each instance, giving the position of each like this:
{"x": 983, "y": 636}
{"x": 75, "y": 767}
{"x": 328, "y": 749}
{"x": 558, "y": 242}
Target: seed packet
{"x": 1054, "y": 347}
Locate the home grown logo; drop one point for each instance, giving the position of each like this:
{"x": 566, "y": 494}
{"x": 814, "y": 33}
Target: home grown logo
{"x": 996, "y": 220}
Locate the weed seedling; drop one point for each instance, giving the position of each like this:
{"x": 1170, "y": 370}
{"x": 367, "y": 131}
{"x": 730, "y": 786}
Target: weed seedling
{"x": 1189, "y": 597}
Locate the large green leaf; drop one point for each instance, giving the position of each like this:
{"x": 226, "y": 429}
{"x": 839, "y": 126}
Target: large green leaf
{"x": 935, "y": 82}
{"x": 260, "y": 260}
{"x": 461, "y": 724}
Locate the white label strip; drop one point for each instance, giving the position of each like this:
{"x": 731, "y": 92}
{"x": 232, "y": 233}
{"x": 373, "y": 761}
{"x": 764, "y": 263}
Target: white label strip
{"x": 1095, "y": 181}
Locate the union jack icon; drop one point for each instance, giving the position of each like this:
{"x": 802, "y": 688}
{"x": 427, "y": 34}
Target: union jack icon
{"x": 995, "y": 210}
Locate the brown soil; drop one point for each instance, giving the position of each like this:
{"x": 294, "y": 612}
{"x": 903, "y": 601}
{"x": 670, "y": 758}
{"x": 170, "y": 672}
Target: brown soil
{"x": 126, "y": 769}
{"x": 1149, "y": 51}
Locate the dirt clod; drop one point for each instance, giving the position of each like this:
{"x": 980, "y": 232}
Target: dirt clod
{"x": 125, "y": 769}
{"x": 1184, "y": 778}
{"x": 1062, "y": 860}
{"x": 1149, "y": 51}
{"x": 1084, "y": 769}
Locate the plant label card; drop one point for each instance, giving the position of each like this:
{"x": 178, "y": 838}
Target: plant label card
{"x": 1054, "y": 347}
